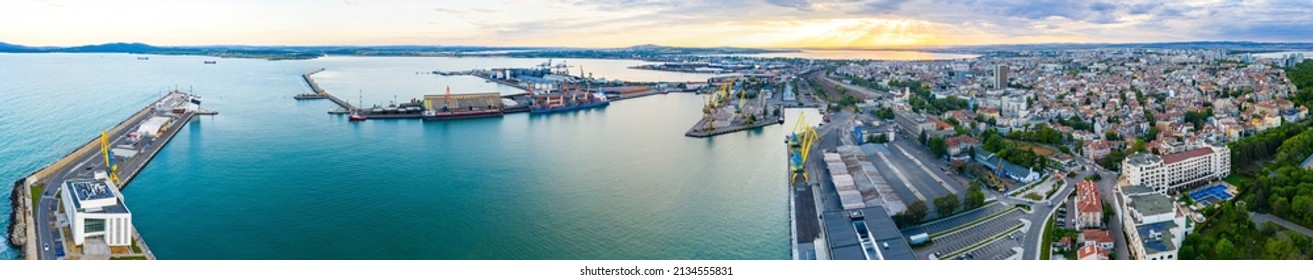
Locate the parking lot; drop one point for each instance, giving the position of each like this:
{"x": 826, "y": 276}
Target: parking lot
{"x": 966, "y": 238}
{"x": 911, "y": 181}
{"x": 999, "y": 249}
{"x": 958, "y": 220}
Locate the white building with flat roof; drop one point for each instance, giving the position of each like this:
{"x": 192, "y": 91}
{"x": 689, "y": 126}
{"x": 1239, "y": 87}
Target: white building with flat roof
{"x": 95, "y": 209}
{"x": 1153, "y": 225}
{"x": 1173, "y": 172}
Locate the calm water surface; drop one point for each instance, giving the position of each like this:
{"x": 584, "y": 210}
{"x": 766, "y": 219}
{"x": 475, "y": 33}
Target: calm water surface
{"x": 274, "y": 178}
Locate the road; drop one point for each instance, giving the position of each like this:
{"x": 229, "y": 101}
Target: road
{"x": 1259, "y": 219}
{"x": 84, "y": 167}
{"x": 1042, "y": 212}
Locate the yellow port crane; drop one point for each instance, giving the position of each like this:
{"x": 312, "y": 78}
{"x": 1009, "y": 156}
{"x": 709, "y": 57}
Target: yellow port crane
{"x": 800, "y": 144}
{"x": 743, "y": 95}
{"x": 109, "y": 158}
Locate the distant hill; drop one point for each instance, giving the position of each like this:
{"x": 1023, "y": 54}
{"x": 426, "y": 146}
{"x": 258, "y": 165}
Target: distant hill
{"x": 632, "y": 52}
{"x": 9, "y": 48}
{"x": 308, "y": 52}
{"x": 114, "y": 48}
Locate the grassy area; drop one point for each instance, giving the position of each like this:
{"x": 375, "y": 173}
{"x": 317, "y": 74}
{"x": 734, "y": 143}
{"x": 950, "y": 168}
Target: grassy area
{"x": 987, "y": 203}
{"x": 928, "y": 243}
{"x": 1033, "y": 196}
{"x": 1048, "y": 239}
{"x": 1039, "y": 150}
{"x": 36, "y": 194}
{"x": 1056, "y": 186}
{"x": 135, "y": 249}
{"x": 972, "y": 223}
{"x": 128, "y": 258}
{"x": 1240, "y": 181}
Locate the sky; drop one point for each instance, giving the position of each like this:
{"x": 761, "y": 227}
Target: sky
{"x": 619, "y": 23}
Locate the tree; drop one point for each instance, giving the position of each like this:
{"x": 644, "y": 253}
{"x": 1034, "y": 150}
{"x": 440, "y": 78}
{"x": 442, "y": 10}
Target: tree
{"x": 1224, "y": 250}
{"x": 1111, "y": 135}
{"x": 974, "y": 197}
{"x": 880, "y": 138}
{"x": 1280, "y": 248}
{"x": 937, "y": 146}
{"x": 947, "y": 205}
{"x": 961, "y": 130}
{"x": 916, "y": 212}
{"x": 1108, "y": 212}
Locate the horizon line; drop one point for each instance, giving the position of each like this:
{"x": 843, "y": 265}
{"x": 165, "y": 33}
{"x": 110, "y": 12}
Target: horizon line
{"x": 854, "y": 48}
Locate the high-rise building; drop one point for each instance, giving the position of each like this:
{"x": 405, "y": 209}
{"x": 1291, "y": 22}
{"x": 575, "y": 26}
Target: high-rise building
{"x": 1000, "y": 76}
{"x": 1176, "y": 171}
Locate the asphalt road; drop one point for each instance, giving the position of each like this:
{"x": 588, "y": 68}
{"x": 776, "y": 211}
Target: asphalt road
{"x": 1259, "y": 219}
{"x": 1042, "y": 211}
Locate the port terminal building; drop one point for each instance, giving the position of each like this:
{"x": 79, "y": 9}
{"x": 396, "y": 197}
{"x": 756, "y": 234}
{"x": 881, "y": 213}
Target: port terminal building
{"x": 864, "y": 234}
{"x": 95, "y": 209}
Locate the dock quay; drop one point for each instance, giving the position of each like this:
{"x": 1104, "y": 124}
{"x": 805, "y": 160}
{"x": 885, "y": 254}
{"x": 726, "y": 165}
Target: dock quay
{"x": 698, "y": 132}
{"x": 321, "y": 93}
{"x": 42, "y": 230}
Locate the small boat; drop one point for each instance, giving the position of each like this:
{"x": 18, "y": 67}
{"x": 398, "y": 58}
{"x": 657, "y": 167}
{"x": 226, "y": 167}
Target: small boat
{"x": 355, "y": 117}
{"x": 211, "y": 62}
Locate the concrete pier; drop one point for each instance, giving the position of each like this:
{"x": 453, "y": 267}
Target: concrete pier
{"x": 321, "y": 93}
{"x": 85, "y": 160}
{"x": 697, "y": 131}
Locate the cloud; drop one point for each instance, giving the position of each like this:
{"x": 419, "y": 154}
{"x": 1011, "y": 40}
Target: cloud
{"x": 883, "y": 6}
{"x": 796, "y": 4}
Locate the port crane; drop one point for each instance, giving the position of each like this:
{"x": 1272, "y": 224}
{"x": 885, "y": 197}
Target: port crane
{"x": 800, "y": 146}
{"x": 109, "y": 158}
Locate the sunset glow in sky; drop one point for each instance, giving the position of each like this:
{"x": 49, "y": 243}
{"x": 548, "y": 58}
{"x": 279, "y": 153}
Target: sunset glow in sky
{"x": 617, "y": 23}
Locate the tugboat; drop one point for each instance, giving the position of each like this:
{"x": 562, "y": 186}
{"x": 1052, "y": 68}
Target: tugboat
{"x": 355, "y": 114}
{"x": 355, "y": 117}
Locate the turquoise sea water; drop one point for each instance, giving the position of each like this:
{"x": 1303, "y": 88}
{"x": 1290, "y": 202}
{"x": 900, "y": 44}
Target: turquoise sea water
{"x": 275, "y": 178}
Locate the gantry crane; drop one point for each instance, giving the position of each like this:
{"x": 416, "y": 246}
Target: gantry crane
{"x": 800, "y": 146}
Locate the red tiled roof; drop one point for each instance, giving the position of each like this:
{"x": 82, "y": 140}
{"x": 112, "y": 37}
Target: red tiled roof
{"x": 1091, "y": 250}
{"x": 1087, "y": 198}
{"x": 1097, "y": 235}
{"x": 960, "y": 140}
{"x": 1173, "y": 158}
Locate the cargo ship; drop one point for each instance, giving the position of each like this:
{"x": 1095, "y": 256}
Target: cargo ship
{"x": 211, "y": 62}
{"x": 462, "y": 106}
{"x": 566, "y": 101}
{"x": 456, "y": 115}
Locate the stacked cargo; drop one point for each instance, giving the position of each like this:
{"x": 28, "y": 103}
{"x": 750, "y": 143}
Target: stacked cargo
{"x": 868, "y": 184}
{"x": 844, "y": 183}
